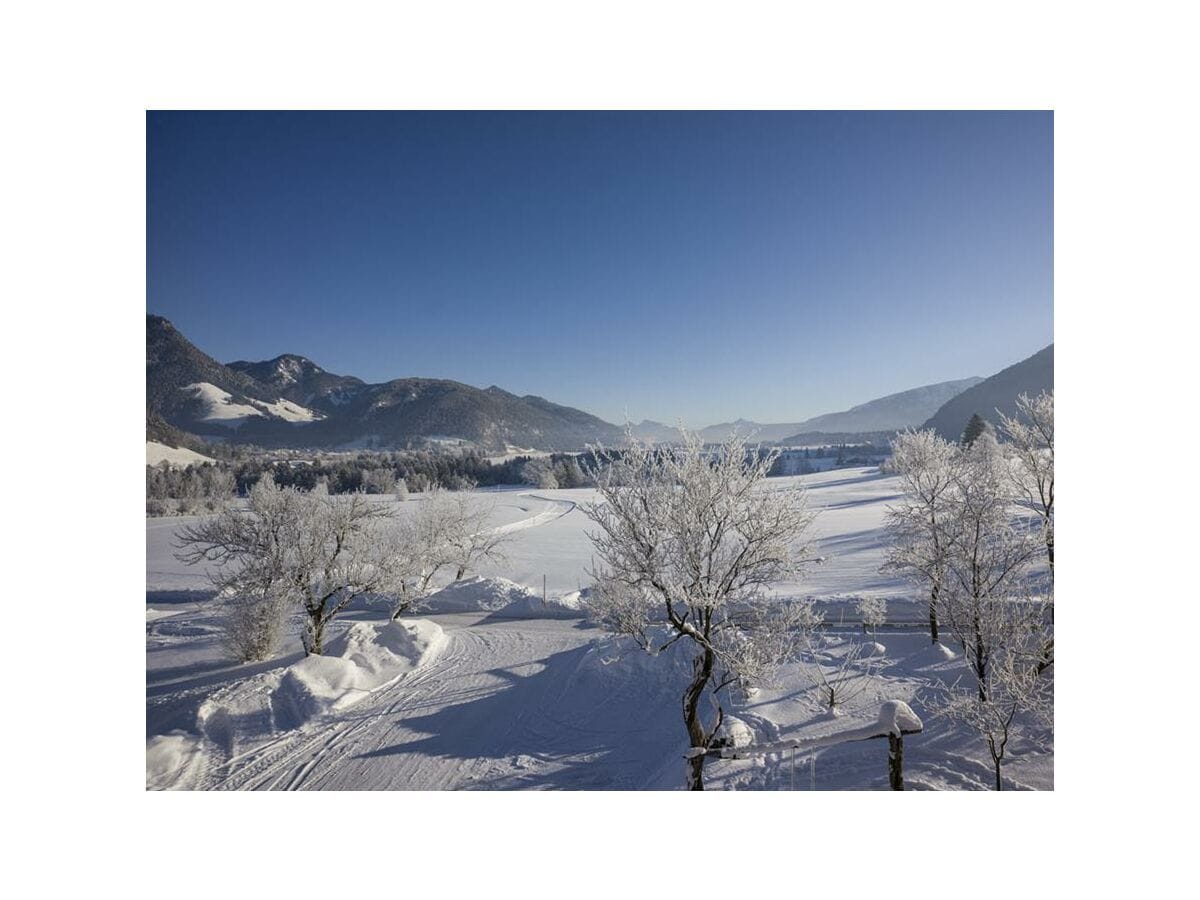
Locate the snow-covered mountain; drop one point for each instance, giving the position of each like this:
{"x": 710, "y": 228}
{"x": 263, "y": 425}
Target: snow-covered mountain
{"x": 290, "y": 401}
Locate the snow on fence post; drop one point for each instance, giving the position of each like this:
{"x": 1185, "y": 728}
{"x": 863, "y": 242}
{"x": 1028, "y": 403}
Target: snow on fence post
{"x": 896, "y": 719}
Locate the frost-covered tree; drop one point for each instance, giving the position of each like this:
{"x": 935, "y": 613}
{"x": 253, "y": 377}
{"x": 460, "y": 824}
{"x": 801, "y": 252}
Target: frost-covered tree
{"x": 540, "y": 473}
{"x": 1015, "y": 694}
{"x": 316, "y": 551}
{"x": 463, "y": 522}
{"x": 401, "y": 490}
{"x": 1030, "y": 436}
{"x": 838, "y": 676}
{"x": 916, "y": 525}
{"x": 379, "y": 481}
{"x": 254, "y": 625}
{"x": 447, "y": 537}
{"x": 873, "y": 612}
{"x": 989, "y": 551}
{"x": 688, "y": 541}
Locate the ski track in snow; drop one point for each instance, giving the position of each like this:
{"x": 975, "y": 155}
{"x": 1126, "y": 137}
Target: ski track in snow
{"x": 490, "y": 712}
{"x": 553, "y": 509}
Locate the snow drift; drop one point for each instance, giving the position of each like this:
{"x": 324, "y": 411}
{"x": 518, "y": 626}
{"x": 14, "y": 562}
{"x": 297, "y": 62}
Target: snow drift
{"x": 172, "y": 759}
{"x": 365, "y": 657}
{"x": 503, "y": 599}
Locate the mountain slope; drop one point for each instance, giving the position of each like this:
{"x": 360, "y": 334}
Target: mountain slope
{"x": 893, "y": 412}
{"x": 890, "y": 413}
{"x": 1030, "y": 376}
{"x": 757, "y": 431}
{"x": 290, "y": 401}
{"x": 302, "y": 381}
{"x": 191, "y": 391}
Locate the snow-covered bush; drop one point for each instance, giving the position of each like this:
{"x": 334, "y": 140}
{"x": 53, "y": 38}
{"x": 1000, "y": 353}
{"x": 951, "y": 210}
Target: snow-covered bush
{"x": 873, "y": 612}
{"x": 254, "y": 626}
{"x": 838, "y": 676}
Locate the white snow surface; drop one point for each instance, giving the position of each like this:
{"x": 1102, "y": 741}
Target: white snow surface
{"x": 156, "y": 453}
{"x": 248, "y": 713}
{"x": 518, "y": 698}
{"x": 220, "y": 408}
{"x": 503, "y": 599}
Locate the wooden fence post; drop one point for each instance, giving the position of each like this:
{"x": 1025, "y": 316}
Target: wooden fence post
{"x": 896, "y": 761}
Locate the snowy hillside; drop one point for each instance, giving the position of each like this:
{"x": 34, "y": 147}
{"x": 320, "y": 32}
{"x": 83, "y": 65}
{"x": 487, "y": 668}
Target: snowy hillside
{"x": 157, "y": 453}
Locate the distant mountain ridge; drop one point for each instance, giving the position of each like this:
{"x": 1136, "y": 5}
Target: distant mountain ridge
{"x": 1000, "y": 391}
{"x": 891, "y": 413}
{"x": 290, "y": 401}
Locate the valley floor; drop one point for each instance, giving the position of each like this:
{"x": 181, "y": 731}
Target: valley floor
{"x": 550, "y": 703}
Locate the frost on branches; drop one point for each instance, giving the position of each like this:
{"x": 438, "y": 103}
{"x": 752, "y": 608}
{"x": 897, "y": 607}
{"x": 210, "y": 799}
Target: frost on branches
{"x": 927, "y": 466}
{"x": 1030, "y": 441}
{"x": 290, "y": 548}
{"x": 688, "y": 541}
{"x": 448, "y": 534}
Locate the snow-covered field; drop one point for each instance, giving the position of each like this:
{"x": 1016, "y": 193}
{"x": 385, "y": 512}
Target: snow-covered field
{"x": 496, "y": 687}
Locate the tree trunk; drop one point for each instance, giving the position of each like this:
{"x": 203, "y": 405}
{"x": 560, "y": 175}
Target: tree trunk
{"x": 980, "y": 660}
{"x": 933, "y": 623}
{"x": 702, "y": 668}
{"x": 995, "y": 761}
{"x": 315, "y": 637}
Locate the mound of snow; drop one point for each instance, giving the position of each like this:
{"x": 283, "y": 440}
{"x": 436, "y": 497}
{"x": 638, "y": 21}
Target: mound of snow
{"x": 873, "y": 648}
{"x": 530, "y": 606}
{"x": 932, "y": 656}
{"x": 479, "y": 595}
{"x": 367, "y": 656}
{"x": 734, "y": 732}
{"x": 504, "y": 599}
{"x": 381, "y": 651}
{"x": 172, "y": 759}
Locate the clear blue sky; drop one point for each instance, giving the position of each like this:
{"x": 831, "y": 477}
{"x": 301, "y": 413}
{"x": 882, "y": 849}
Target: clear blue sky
{"x": 707, "y": 266}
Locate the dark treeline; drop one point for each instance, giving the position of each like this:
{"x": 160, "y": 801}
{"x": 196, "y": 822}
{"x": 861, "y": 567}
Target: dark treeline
{"x": 235, "y": 471}
{"x": 371, "y": 472}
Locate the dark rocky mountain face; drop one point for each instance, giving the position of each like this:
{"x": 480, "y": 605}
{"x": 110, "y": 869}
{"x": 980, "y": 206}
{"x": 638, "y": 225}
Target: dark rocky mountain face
{"x": 1030, "y": 376}
{"x": 290, "y": 401}
{"x": 302, "y": 381}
